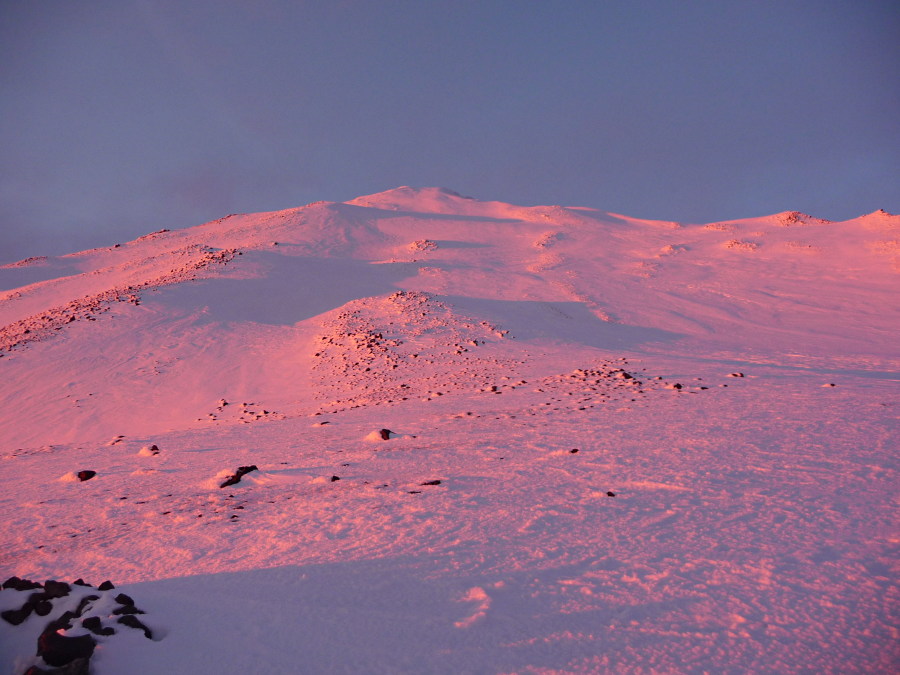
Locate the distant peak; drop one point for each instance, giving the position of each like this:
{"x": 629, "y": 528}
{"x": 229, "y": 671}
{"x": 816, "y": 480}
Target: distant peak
{"x": 408, "y": 191}
{"x": 418, "y": 199}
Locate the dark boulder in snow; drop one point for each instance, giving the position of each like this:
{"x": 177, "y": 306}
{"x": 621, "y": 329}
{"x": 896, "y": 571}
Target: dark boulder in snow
{"x": 94, "y": 625}
{"x": 132, "y": 621}
{"x": 17, "y": 616}
{"x": 106, "y": 586}
{"x": 235, "y": 478}
{"x": 85, "y": 603}
{"x": 123, "y": 599}
{"x": 56, "y": 589}
{"x": 62, "y": 622}
{"x": 18, "y": 584}
{"x": 86, "y": 474}
{"x": 60, "y": 650}
{"x": 127, "y": 609}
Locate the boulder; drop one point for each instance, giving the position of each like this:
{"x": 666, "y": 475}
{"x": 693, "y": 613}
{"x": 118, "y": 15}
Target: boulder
{"x": 60, "y": 650}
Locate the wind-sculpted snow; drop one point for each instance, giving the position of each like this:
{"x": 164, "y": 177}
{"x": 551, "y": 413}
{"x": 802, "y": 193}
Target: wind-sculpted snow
{"x": 422, "y": 433}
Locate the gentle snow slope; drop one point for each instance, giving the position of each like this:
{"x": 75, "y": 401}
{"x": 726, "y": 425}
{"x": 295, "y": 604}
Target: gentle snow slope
{"x": 706, "y": 523}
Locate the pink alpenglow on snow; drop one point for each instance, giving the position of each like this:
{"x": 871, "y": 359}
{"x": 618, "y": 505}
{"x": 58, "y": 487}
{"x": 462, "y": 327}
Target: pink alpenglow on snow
{"x": 429, "y": 434}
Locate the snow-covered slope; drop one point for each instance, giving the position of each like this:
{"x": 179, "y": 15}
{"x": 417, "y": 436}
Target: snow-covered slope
{"x": 730, "y": 389}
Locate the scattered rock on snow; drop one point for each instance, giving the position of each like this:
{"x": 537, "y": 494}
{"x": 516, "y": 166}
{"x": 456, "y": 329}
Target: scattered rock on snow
{"x": 106, "y": 586}
{"x": 380, "y": 435}
{"x": 86, "y": 474}
{"x": 735, "y": 374}
{"x": 149, "y": 451}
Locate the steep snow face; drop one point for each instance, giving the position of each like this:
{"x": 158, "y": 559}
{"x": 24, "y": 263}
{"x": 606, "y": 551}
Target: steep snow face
{"x": 540, "y": 439}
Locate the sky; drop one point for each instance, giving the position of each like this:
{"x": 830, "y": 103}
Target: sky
{"x": 126, "y": 116}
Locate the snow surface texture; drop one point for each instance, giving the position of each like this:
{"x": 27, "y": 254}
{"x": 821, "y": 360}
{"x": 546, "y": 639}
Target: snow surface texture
{"x": 468, "y": 437}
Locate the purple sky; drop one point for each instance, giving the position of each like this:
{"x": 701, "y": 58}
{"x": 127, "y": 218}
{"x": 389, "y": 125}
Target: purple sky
{"x": 125, "y": 116}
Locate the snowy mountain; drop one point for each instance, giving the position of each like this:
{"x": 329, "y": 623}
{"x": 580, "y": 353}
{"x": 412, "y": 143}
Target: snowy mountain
{"x": 478, "y": 437}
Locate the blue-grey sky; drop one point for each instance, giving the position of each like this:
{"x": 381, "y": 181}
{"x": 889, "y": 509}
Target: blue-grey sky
{"x": 124, "y": 116}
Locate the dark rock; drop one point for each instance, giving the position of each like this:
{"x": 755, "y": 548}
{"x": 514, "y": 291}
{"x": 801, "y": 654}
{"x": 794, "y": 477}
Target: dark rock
{"x": 128, "y": 609}
{"x": 43, "y": 607}
{"x": 385, "y": 434}
{"x": 133, "y": 622}
{"x": 34, "y": 670}
{"x": 237, "y": 475}
{"x": 123, "y": 599}
{"x": 735, "y": 375}
{"x": 85, "y": 602}
{"x": 62, "y": 622}
{"x": 18, "y": 584}
{"x": 573, "y": 451}
{"x": 56, "y": 589}
{"x": 106, "y": 586}
{"x": 610, "y": 494}
{"x": 17, "y": 616}
{"x": 76, "y": 667}
{"x": 60, "y": 650}
{"x": 87, "y": 474}
{"x": 431, "y": 482}
{"x": 80, "y": 582}
{"x": 93, "y": 624}
{"x": 334, "y": 478}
